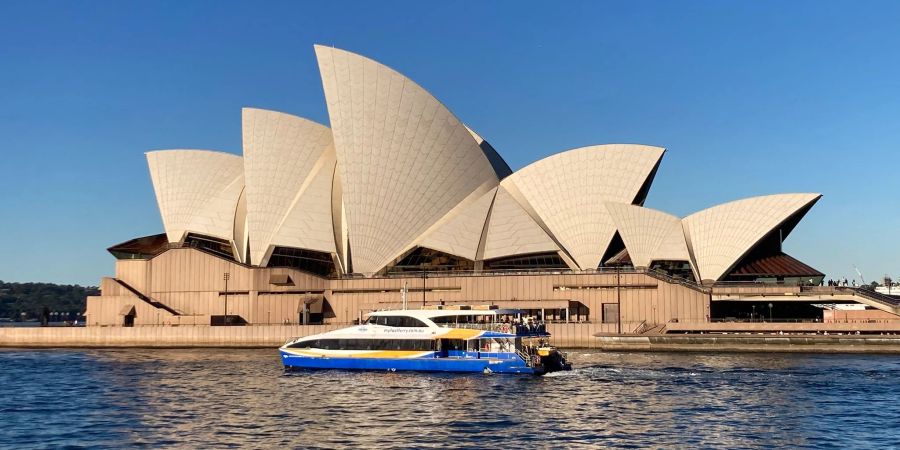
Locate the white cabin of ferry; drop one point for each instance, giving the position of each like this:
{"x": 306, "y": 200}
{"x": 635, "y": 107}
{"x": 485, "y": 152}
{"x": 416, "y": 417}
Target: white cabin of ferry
{"x": 510, "y": 321}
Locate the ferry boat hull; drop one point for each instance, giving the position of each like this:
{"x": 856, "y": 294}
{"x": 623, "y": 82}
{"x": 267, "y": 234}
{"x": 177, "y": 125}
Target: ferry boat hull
{"x": 421, "y": 364}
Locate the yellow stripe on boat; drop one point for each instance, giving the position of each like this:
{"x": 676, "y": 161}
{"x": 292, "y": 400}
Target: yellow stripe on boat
{"x": 460, "y": 333}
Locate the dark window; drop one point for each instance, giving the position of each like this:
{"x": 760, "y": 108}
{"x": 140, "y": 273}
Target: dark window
{"x": 318, "y": 263}
{"x": 613, "y": 251}
{"x": 141, "y": 248}
{"x": 368, "y": 344}
{"x": 315, "y": 318}
{"x": 446, "y": 320}
{"x": 677, "y": 269}
{"x": 396, "y": 321}
{"x": 209, "y": 244}
{"x": 536, "y": 261}
{"x": 305, "y": 344}
{"x": 610, "y": 313}
{"x": 453, "y": 344}
{"x": 422, "y": 258}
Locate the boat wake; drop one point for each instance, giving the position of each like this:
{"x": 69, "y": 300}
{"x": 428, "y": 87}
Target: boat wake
{"x": 562, "y": 373}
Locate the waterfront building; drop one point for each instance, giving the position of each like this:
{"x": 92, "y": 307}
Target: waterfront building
{"x": 399, "y": 198}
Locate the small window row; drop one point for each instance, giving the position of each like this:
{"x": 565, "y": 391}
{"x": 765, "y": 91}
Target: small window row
{"x": 368, "y": 344}
{"x": 396, "y": 321}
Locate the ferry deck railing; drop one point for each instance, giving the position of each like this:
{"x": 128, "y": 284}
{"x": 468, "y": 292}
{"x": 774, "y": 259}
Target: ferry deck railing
{"x": 500, "y": 327}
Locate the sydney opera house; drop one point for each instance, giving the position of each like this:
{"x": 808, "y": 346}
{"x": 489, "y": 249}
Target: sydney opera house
{"x": 398, "y": 198}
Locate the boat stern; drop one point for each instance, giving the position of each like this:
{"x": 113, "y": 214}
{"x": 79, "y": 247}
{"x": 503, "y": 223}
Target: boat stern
{"x": 550, "y": 359}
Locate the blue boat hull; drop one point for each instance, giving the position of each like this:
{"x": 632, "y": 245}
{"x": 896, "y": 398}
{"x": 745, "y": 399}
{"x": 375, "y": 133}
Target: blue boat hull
{"x": 459, "y": 365}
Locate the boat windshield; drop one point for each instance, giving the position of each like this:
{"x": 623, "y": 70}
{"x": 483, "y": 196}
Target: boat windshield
{"x": 396, "y": 321}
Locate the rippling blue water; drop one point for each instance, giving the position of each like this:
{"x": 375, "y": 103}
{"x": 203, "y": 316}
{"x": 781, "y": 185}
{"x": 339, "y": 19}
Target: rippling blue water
{"x": 215, "y": 398}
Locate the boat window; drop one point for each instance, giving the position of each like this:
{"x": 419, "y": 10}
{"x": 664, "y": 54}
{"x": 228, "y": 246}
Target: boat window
{"x": 444, "y": 320}
{"x": 480, "y": 318}
{"x": 305, "y": 344}
{"x": 396, "y": 321}
{"x": 368, "y": 344}
{"x": 453, "y": 344}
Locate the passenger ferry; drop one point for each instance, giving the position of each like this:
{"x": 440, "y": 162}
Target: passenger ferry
{"x": 432, "y": 340}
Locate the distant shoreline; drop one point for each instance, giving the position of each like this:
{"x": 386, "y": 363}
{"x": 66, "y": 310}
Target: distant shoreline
{"x": 37, "y": 325}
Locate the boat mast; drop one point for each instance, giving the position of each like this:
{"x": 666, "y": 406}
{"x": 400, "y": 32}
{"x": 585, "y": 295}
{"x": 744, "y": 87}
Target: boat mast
{"x": 403, "y": 291}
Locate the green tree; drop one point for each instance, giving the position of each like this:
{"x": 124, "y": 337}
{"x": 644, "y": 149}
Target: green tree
{"x": 32, "y": 298}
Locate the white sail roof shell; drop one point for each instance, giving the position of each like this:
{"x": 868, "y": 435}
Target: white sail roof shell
{"x": 721, "y": 235}
{"x": 289, "y": 166}
{"x": 197, "y": 191}
{"x": 648, "y": 234}
{"x": 405, "y": 160}
{"x": 398, "y": 170}
{"x": 512, "y": 231}
{"x": 460, "y": 232}
{"x": 567, "y": 192}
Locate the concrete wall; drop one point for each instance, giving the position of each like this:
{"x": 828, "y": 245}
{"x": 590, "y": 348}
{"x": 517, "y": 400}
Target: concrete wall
{"x": 108, "y": 311}
{"x": 191, "y": 282}
{"x": 135, "y": 272}
{"x": 564, "y": 336}
{"x": 643, "y": 299}
{"x": 571, "y": 335}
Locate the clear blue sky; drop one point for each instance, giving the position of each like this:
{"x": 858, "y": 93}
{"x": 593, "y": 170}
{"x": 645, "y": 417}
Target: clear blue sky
{"x": 749, "y": 98}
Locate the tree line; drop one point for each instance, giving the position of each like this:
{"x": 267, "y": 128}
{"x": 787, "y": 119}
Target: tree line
{"x": 31, "y": 298}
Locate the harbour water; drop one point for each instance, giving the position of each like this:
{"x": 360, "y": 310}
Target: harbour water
{"x": 204, "y": 398}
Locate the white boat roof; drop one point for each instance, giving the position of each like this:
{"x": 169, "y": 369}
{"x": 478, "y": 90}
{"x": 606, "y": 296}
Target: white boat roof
{"x": 432, "y": 313}
{"x": 383, "y": 332}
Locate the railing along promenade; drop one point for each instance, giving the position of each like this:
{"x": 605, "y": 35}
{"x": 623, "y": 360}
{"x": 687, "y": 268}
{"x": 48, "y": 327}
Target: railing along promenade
{"x": 760, "y": 289}
{"x": 502, "y": 327}
{"x": 496, "y": 272}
